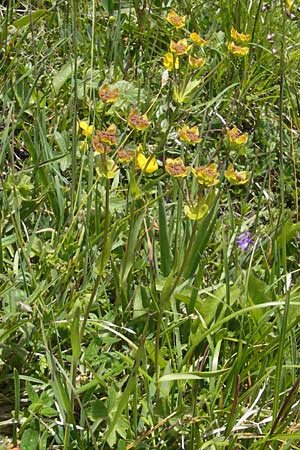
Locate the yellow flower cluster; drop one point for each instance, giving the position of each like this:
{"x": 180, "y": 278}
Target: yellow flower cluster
{"x": 238, "y": 37}
{"x": 182, "y": 47}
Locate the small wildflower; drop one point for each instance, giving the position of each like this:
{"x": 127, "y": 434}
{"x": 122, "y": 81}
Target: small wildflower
{"x": 189, "y": 135}
{"x": 98, "y": 146}
{"x": 87, "y": 130}
{"x": 289, "y": 4}
{"x": 125, "y": 156}
{"x": 207, "y": 175}
{"x": 235, "y": 177}
{"x": 175, "y": 167}
{"x": 109, "y": 136}
{"x": 235, "y": 136}
{"x": 171, "y": 61}
{"x": 196, "y": 63}
{"x": 138, "y": 121}
{"x": 108, "y": 94}
{"x": 240, "y": 37}
{"x": 244, "y": 241}
{"x": 174, "y": 19}
{"x": 148, "y": 165}
{"x": 180, "y": 48}
{"x": 197, "y": 39}
{"x": 196, "y": 212}
{"x": 237, "y": 50}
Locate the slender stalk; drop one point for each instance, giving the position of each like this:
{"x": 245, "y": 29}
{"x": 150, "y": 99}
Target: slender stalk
{"x": 283, "y": 329}
{"x": 74, "y": 112}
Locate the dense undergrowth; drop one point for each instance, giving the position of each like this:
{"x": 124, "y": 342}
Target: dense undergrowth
{"x": 149, "y": 230}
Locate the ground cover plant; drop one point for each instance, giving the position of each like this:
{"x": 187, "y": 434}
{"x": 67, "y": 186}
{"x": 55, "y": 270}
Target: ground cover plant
{"x": 149, "y": 262}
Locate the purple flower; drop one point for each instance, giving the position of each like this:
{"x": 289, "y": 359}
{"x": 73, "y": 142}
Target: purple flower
{"x": 244, "y": 241}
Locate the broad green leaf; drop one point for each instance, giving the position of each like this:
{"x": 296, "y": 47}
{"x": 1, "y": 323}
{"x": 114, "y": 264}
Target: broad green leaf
{"x": 182, "y": 95}
{"x": 62, "y": 76}
{"x": 30, "y": 439}
{"x": 258, "y": 290}
{"x": 98, "y": 410}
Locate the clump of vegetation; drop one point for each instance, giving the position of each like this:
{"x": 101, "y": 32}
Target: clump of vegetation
{"x": 149, "y": 225}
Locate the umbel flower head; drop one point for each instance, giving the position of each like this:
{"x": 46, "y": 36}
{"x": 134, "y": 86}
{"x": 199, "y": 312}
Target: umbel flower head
{"x": 170, "y": 61}
{"x": 174, "y": 19}
{"x": 235, "y": 136}
{"x": 86, "y": 129}
{"x": 180, "y": 48}
{"x": 99, "y": 146}
{"x": 196, "y": 211}
{"x": 240, "y": 37}
{"x": 138, "y": 121}
{"x": 109, "y": 136}
{"x": 125, "y": 156}
{"x": 196, "y": 63}
{"x": 189, "y": 135}
{"x": 237, "y": 50}
{"x": 108, "y": 94}
{"x": 235, "y": 177}
{"x": 207, "y": 175}
{"x": 197, "y": 39}
{"x": 175, "y": 167}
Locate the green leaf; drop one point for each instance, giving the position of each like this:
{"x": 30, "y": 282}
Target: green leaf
{"x": 98, "y": 410}
{"x": 26, "y": 20}
{"x": 183, "y": 95}
{"x": 164, "y": 244}
{"x": 258, "y": 291}
{"x": 75, "y": 335}
{"x": 62, "y": 76}
{"x": 104, "y": 256}
{"x": 192, "y": 375}
{"x": 129, "y": 255}
{"x": 30, "y": 439}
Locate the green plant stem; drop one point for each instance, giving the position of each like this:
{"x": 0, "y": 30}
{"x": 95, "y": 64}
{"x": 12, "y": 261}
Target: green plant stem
{"x": 283, "y": 328}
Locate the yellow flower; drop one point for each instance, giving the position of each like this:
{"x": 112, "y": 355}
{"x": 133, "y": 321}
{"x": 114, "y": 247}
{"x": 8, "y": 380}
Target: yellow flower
{"x": 240, "y": 37}
{"x": 196, "y": 63}
{"x": 171, "y": 61}
{"x": 207, "y": 175}
{"x": 174, "y": 19}
{"x": 138, "y": 121}
{"x": 148, "y": 165}
{"x": 189, "y": 135}
{"x": 87, "y": 130}
{"x": 109, "y": 136}
{"x": 175, "y": 167}
{"x": 108, "y": 94}
{"x": 98, "y": 146}
{"x": 235, "y": 177}
{"x": 125, "y": 156}
{"x": 289, "y": 4}
{"x": 180, "y": 48}
{"x": 196, "y": 212}
{"x": 237, "y": 50}
{"x": 235, "y": 136}
{"x": 197, "y": 39}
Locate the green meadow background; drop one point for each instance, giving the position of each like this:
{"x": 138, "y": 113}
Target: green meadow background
{"x": 141, "y": 309}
